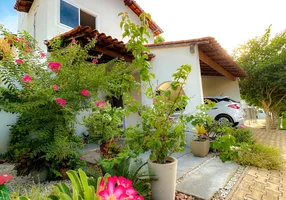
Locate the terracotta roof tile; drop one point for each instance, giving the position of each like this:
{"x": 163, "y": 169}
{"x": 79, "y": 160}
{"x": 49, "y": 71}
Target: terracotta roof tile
{"x": 106, "y": 45}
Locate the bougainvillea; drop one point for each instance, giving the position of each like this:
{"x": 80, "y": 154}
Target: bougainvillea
{"x": 47, "y": 94}
{"x": 55, "y": 66}
{"x": 85, "y": 93}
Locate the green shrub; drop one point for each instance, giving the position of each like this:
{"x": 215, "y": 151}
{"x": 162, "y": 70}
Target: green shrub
{"x": 262, "y": 156}
{"x": 242, "y": 135}
{"x": 226, "y": 146}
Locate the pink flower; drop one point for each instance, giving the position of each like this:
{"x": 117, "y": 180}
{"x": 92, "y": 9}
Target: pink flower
{"x": 85, "y": 92}
{"x": 100, "y": 104}
{"x": 112, "y": 192}
{"x": 22, "y": 39}
{"x": 19, "y": 61}
{"x": 100, "y": 186}
{"x": 55, "y": 66}
{"x": 73, "y": 41}
{"x": 16, "y": 39}
{"x": 27, "y": 78}
{"x": 95, "y": 60}
{"x": 28, "y": 49}
{"x": 81, "y": 158}
{"x": 9, "y": 41}
{"x": 42, "y": 54}
{"x": 55, "y": 87}
{"x": 61, "y": 102}
{"x": 4, "y": 178}
{"x": 124, "y": 182}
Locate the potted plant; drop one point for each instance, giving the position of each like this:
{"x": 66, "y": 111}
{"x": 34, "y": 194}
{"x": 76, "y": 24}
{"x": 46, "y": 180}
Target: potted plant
{"x": 105, "y": 125}
{"x": 160, "y": 134}
{"x": 200, "y": 146}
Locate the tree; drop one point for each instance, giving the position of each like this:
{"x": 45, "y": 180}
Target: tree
{"x": 159, "y": 39}
{"x": 264, "y": 60}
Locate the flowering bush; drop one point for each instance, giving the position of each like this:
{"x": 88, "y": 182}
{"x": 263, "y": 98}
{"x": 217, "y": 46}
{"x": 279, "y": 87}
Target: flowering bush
{"x": 47, "y": 94}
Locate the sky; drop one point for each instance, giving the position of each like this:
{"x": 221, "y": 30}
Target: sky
{"x": 231, "y": 22}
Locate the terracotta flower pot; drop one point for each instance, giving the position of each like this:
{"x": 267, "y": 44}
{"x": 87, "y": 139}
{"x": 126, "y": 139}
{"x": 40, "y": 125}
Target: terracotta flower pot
{"x": 165, "y": 187}
{"x": 199, "y": 148}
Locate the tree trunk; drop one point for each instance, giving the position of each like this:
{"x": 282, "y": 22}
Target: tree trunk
{"x": 267, "y": 118}
{"x": 275, "y": 119}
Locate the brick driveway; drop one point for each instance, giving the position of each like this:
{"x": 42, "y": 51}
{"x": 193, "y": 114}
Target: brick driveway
{"x": 256, "y": 183}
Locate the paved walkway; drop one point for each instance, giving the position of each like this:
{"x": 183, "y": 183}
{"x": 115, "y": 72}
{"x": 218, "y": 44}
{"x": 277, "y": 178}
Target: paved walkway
{"x": 262, "y": 184}
{"x": 201, "y": 177}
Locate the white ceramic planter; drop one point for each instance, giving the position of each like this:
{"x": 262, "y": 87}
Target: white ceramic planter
{"x": 165, "y": 187}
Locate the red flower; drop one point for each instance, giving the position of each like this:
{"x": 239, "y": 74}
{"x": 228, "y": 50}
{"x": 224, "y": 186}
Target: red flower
{"x": 61, "y": 102}
{"x": 27, "y": 78}
{"x": 95, "y": 60}
{"x": 100, "y": 104}
{"x": 42, "y": 54}
{"x": 73, "y": 41}
{"x": 85, "y": 92}
{"x": 19, "y": 61}
{"x": 9, "y": 41}
{"x": 55, "y": 66}
{"x": 4, "y": 178}
{"x": 55, "y": 87}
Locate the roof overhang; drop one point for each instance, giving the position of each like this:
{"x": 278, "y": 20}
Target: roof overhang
{"x": 214, "y": 60}
{"x": 25, "y": 5}
{"x": 106, "y": 46}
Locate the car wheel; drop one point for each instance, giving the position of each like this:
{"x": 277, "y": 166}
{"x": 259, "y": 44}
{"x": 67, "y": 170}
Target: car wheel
{"x": 222, "y": 119}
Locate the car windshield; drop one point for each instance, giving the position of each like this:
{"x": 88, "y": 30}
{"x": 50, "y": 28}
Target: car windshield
{"x": 226, "y": 99}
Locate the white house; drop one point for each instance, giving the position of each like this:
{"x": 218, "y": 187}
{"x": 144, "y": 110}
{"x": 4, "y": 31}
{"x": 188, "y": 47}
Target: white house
{"x": 214, "y": 73}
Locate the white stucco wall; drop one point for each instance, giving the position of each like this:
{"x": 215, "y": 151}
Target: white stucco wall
{"x": 220, "y": 86}
{"x": 166, "y": 62}
{"x": 48, "y": 17}
{"x": 5, "y": 120}
{"x": 134, "y": 118}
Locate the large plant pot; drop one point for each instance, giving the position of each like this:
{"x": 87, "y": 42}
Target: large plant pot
{"x": 200, "y": 149}
{"x": 165, "y": 187}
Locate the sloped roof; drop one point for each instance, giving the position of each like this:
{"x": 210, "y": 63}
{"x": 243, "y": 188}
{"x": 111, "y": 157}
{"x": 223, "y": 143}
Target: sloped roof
{"x": 25, "y": 5}
{"x": 211, "y": 48}
{"x": 106, "y": 45}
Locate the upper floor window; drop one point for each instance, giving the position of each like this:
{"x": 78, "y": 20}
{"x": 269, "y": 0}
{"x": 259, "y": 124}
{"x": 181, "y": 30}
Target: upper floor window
{"x": 73, "y": 16}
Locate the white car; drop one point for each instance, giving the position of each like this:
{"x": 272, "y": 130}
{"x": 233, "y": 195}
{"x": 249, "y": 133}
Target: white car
{"x": 226, "y": 109}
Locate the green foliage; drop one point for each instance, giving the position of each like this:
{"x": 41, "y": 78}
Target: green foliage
{"x": 137, "y": 35}
{"x": 159, "y": 39}
{"x": 262, "y": 156}
{"x": 4, "y": 193}
{"x": 242, "y": 135}
{"x": 264, "y": 60}
{"x": 81, "y": 189}
{"x": 106, "y": 123}
{"x": 226, "y": 146}
{"x": 134, "y": 170}
{"x": 157, "y": 131}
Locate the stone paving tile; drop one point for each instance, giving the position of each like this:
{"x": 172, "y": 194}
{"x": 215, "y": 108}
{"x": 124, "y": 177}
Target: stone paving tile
{"x": 263, "y": 184}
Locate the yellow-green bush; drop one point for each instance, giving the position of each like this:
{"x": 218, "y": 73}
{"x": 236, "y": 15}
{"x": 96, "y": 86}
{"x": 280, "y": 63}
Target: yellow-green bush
{"x": 262, "y": 156}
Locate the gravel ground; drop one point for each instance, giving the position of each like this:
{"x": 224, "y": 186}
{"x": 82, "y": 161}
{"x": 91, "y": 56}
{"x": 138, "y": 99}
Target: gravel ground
{"x": 223, "y": 192}
{"x": 25, "y": 184}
